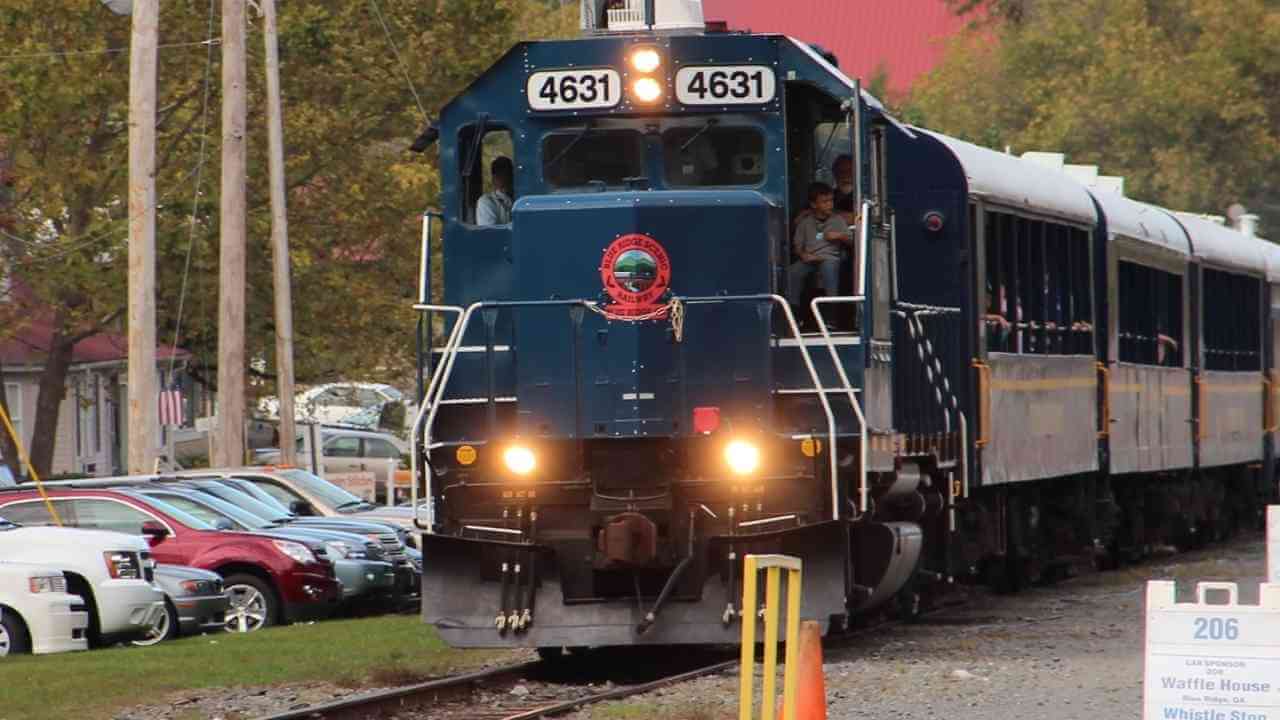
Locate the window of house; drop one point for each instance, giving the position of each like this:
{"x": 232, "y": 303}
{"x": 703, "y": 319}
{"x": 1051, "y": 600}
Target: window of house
{"x": 1039, "y": 296}
{"x": 1232, "y": 321}
{"x": 710, "y": 155}
{"x": 592, "y": 157}
{"x": 1150, "y": 315}
{"x": 476, "y": 164}
{"x": 13, "y": 396}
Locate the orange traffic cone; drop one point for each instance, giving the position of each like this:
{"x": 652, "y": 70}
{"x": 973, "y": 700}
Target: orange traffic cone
{"x": 811, "y": 689}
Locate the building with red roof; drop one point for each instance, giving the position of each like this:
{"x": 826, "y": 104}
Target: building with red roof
{"x": 904, "y": 38}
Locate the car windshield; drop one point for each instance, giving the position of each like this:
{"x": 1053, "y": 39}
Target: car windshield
{"x": 274, "y": 508}
{"x": 229, "y": 496}
{"x": 329, "y": 494}
{"x": 211, "y": 508}
{"x": 176, "y": 513}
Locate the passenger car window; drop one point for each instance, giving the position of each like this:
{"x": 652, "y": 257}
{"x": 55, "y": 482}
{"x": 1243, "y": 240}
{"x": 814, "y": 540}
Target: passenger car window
{"x": 374, "y": 447}
{"x": 110, "y": 515}
{"x": 34, "y": 512}
{"x": 190, "y": 506}
{"x": 343, "y": 447}
{"x": 585, "y": 157}
{"x": 366, "y": 398}
{"x": 707, "y": 155}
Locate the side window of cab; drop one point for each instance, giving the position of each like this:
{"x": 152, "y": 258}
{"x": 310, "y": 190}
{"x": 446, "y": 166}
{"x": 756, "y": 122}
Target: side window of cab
{"x": 487, "y": 169}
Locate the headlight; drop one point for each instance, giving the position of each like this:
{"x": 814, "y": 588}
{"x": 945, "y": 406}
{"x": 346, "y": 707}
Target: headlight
{"x": 645, "y": 60}
{"x": 743, "y": 457}
{"x": 646, "y": 90}
{"x": 122, "y": 565}
{"x": 297, "y": 551}
{"x": 199, "y": 587}
{"x": 520, "y": 460}
{"x": 47, "y": 584}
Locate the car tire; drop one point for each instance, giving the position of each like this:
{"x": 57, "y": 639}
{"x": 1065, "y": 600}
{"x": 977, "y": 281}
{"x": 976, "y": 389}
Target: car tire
{"x": 253, "y": 603}
{"x": 13, "y": 634}
{"x": 166, "y": 630}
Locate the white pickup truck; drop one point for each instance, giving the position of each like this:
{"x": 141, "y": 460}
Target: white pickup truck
{"x": 111, "y": 571}
{"x": 37, "y": 614}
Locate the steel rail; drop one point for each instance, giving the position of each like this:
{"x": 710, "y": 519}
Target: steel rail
{"x": 618, "y": 693}
{"x": 365, "y": 704}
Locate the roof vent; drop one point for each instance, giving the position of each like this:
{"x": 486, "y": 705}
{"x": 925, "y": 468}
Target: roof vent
{"x": 611, "y": 16}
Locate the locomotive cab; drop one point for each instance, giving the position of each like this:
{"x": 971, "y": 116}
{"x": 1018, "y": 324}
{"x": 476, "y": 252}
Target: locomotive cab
{"x": 623, "y": 403}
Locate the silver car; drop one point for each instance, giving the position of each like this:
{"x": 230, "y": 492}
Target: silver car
{"x": 194, "y": 602}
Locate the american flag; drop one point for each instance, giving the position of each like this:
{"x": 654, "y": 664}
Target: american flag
{"x": 171, "y": 406}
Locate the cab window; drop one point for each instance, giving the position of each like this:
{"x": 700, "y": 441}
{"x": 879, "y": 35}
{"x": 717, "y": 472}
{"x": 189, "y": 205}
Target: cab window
{"x": 482, "y": 197}
{"x": 591, "y": 157}
{"x": 708, "y": 155}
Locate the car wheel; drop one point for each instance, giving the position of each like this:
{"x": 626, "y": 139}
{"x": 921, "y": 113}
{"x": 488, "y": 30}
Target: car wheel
{"x": 13, "y": 635}
{"x": 166, "y": 629}
{"x": 253, "y": 604}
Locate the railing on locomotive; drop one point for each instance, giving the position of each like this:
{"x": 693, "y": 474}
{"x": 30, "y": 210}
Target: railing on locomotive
{"x": 427, "y": 410}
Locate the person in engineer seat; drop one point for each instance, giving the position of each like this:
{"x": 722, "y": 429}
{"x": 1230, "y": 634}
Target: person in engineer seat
{"x": 819, "y": 241}
{"x": 494, "y": 208}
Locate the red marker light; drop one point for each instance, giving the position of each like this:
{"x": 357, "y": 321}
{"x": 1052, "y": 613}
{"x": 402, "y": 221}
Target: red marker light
{"x": 706, "y": 420}
{"x": 934, "y": 220}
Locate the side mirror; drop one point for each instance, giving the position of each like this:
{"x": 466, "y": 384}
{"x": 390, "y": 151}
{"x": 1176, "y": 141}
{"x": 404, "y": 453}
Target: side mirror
{"x": 153, "y": 531}
{"x": 301, "y": 508}
{"x": 223, "y": 524}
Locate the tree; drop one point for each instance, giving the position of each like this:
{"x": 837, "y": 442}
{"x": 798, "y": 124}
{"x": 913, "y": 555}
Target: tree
{"x": 354, "y": 191}
{"x": 1170, "y": 95}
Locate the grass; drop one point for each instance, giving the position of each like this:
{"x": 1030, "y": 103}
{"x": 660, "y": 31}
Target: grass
{"x": 349, "y": 653}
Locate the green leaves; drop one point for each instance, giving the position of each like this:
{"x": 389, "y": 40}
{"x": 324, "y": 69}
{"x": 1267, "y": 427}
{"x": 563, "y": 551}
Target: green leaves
{"x": 1176, "y": 96}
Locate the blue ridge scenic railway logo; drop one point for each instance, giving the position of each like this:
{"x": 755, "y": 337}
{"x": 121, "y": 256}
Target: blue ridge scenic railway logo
{"x": 636, "y": 272}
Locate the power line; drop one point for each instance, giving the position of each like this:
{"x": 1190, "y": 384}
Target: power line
{"x": 106, "y": 51}
{"x": 195, "y": 198}
{"x": 396, "y": 51}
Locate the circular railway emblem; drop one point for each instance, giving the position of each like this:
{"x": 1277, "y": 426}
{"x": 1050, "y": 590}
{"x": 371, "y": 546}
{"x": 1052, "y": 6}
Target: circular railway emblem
{"x": 636, "y": 272}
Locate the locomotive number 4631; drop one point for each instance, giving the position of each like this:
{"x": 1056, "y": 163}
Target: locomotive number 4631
{"x": 574, "y": 89}
{"x": 726, "y": 85}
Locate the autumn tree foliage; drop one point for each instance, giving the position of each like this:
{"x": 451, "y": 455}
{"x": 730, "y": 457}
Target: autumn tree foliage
{"x": 354, "y": 190}
{"x": 1178, "y": 96}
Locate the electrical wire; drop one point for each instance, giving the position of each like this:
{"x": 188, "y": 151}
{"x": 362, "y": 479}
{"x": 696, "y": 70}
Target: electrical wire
{"x": 195, "y": 196}
{"x": 396, "y": 51}
{"x": 105, "y": 51}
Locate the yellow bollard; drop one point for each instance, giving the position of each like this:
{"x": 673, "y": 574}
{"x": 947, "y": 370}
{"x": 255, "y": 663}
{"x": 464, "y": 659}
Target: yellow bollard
{"x": 773, "y": 565}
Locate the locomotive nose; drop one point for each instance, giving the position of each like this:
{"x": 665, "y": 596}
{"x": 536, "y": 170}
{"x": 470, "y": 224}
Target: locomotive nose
{"x": 633, "y": 253}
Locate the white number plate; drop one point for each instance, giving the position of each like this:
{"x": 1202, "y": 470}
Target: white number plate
{"x": 726, "y": 85}
{"x": 574, "y": 89}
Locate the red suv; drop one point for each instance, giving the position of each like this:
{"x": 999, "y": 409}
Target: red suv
{"x": 270, "y": 580}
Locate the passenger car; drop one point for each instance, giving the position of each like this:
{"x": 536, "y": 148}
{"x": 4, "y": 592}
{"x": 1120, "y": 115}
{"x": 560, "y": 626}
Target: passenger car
{"x": 336, "y": 402}
{"x": 37, "y": 614}
{"x": 269, "y": 580}
{"x": 110, "y": 572}
{"x": 349, "y": 451}
{"x": 194, "y": 602}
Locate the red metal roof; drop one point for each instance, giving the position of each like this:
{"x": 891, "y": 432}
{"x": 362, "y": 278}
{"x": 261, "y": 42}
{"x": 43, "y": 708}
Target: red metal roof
{"x": 905, "y": 37}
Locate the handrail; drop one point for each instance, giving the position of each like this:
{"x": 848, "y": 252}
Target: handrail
{"x": 1105, "y": 372}
{"x": 984, "y": 400}
{"x": 1202, "y": 432}
{"x": 455, "y": 337}
{"x": 440, "y": 378}
{"x": 815, "y": 306}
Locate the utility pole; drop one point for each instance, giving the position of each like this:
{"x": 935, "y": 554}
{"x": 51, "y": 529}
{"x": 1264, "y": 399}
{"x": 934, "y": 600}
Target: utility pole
{"x": 279, "y": 241}
{"x": 231, "y": 259}
{"x": 144, "y": 399}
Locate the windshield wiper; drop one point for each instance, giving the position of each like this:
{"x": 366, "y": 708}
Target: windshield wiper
{"x": 711, "y": 122}
{"x": 586, "y": 129}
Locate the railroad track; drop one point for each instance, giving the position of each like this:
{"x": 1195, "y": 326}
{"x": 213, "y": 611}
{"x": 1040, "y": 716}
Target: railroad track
{"x": 546, "y": 689}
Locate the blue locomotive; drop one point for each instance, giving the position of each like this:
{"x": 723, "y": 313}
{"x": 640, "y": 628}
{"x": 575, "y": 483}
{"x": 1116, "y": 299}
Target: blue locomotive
{"x": 1007, "y": 375}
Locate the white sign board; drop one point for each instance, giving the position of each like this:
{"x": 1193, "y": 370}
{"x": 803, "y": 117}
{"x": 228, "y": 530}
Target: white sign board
{"x": 1212, "y": 661}
{"x": 1273, "y": 544}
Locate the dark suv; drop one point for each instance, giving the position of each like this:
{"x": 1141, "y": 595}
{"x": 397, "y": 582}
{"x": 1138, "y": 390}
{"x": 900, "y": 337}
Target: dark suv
{"x": 270, "y": 580}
